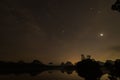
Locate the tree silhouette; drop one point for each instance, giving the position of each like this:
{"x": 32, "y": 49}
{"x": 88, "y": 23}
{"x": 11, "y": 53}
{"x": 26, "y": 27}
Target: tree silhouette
{"x": 116, "y": 6}
{"x": 88, "y": 69}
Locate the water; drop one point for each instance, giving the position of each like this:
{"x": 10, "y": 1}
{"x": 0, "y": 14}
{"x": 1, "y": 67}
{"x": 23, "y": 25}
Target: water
{"x": 46, "y": 75}
{"x": 51, "y": 75}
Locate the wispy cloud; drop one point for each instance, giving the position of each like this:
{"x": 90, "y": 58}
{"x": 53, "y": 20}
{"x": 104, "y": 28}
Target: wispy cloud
{"x": 115, "y": 48}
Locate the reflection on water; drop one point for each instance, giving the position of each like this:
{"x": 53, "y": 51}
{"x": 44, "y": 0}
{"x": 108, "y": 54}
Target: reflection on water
{"x": 108, "y": 77}
{"x": 86, "y": 69}
{"x": 105, "y": 77}
{"x": 46, "y": 75}
{"x": 53, "y": 75}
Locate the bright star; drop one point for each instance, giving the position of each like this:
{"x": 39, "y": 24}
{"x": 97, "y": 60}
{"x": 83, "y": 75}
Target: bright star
{"x": 101, "y": 34}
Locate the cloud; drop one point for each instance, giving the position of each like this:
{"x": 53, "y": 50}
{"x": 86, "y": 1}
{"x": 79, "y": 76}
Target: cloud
{"x": 115, "y": 48}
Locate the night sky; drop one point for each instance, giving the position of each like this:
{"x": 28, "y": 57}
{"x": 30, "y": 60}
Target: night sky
{"x": 58, "y": 30}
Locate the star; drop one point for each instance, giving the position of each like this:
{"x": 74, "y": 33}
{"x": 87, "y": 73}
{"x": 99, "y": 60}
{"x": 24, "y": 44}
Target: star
{"x": 101, "y": 34}
{"x": 63, "y": 31}
{"x": 99, "y": 12}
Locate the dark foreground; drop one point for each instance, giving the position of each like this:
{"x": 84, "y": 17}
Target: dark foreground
{"x": 88, "y": 68}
